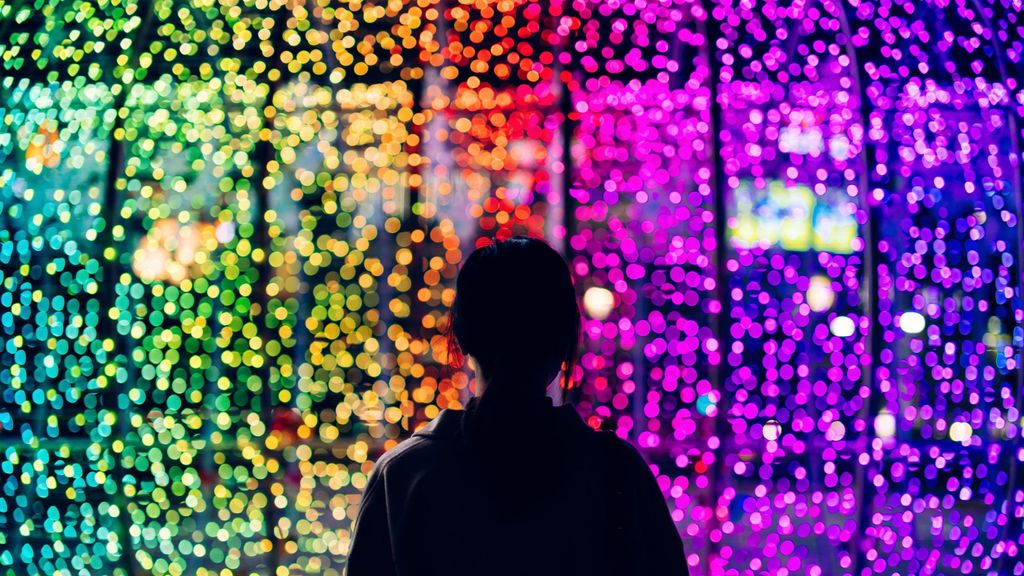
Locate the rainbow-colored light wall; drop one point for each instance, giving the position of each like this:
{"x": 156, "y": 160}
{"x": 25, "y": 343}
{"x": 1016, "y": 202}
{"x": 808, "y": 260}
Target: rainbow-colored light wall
{"x": 230, "y": 230}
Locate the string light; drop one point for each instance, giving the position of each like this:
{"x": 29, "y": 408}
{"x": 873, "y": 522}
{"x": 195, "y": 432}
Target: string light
{"x": 230, "y": 233}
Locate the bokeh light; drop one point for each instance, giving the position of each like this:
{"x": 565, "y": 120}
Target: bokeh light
{"x": 598, "y": 302}
{"x": 231, "y": 228}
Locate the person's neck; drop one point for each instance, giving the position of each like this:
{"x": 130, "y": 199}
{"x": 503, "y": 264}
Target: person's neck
{"x": 513, "y": 392}
{"x": 518, "y": 392}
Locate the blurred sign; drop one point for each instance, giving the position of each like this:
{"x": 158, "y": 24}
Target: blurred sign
{"x": 791, "y": 217}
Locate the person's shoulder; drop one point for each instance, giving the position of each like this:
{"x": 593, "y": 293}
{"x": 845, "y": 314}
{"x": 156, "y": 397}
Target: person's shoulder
{"x": 423, "y": 446}
{"x": 623, "y": 451}
{"x": 406, "y": 449}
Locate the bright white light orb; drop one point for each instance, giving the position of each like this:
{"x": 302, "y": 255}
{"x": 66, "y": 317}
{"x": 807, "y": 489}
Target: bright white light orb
{"x": 225, "y": 232}
{"x": 961, "y": 432}
{"x": 820, "y": 295}
{"x": 842, "y": 326}
{"x": 911, "y": 322}
{"x": 598, "y": 302}
{"x": 885, "y": 424}
{"x": 772, "y": 430}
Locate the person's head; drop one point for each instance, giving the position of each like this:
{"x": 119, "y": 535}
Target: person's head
{"x": 515, "y": 314}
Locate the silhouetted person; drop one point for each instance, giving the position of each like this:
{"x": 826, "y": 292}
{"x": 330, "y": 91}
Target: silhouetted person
{"x": 514, "y": 484}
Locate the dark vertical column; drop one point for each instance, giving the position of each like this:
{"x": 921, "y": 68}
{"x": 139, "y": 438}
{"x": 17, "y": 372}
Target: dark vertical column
{"x": 112, "y": 267}
{"x": 872, "y": 260}
{"x": 111, "y": 271}
{"x": 1011, "y": 531}
{"x": 1014, "y": 525}
{"x": 564, "y": 74}
{"x": 414, "y": 196}
{"x": 719, "y": 374}
{"x": 263, "y": 155}
{"x": 411, "y": 219}
{"x": 717, "y": 183}
{"x": 567, "y": 130}
{"x": 640, "y": 368}
{"x": 386, "y": 248}
{"x": 870, "y": 306}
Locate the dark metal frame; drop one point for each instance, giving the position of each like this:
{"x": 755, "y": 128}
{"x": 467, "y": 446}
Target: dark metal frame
{"x": 1011, "y": 531}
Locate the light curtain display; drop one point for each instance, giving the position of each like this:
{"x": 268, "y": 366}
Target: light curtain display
{"x": 230, "y": 232}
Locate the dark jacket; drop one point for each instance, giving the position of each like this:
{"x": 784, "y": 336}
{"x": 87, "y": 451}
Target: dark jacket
{"x": 553, "y": 497}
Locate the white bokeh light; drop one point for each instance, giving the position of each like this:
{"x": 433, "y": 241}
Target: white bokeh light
{"x": 820, "y": 295}
{"x": 842, "y": 326}
{"x": 911, "y": 322}
{"x": 598, "y": 302}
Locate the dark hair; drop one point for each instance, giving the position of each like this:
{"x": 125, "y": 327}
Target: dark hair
{"x": 515, "y": 312}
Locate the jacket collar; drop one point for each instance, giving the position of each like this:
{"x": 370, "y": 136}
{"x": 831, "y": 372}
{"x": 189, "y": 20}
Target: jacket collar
{"x": 449, "y": 421}
{"x": 446, "y": 423}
